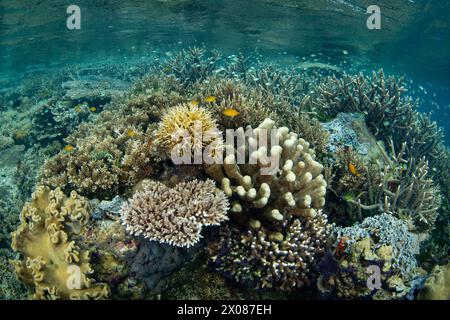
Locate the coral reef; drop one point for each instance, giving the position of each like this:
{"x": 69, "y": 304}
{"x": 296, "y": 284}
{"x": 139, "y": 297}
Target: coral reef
{"x": 53, "y": 263}
{"x": 286, "y": 230}
{"x": 174, "y": 215}
{"x": 391, "y": 116}
{"x": 259, "y": 259}
{"x": 105, "y": 130}
{"x": 108, "y": 156}
{"x": 188, "y": 126}
{"x": 294, "y": 186}
{"x": 382, "y": 241}
{"x": 437, "y": 285}
{"x": 407, "y": 192}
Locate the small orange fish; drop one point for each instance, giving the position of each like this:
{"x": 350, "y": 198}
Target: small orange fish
{"x": 194, "y": 103}
{"x": 229, "y": 112}
{"x": 131, "y": 133}
{"x": 353, "y": 170}
{"x": 68, "y": 148}
{"x": 210, "y": 99}
{"x": 93, "y": 109}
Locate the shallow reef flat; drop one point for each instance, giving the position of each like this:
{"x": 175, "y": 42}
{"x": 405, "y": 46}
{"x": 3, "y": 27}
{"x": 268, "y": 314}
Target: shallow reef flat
{"x": 93, "y": 205}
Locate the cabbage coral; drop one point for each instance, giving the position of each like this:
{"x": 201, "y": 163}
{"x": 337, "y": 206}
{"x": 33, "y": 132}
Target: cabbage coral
{"x": 174, "y": 215}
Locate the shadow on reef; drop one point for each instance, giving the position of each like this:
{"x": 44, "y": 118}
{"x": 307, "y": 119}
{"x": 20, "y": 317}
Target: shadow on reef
{"x": 359, "y": 184}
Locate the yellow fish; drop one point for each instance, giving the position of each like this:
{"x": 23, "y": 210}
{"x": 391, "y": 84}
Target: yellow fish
{"x": 131, "y": 133}
{"x": 93, "y": 109}
{"x": 194, "y": 103}
{"x": 353, "y": 170}
{"x": 77, "y": 109}
{"x": 68, "y": 148}
{"x": 231, "y": 112}
{"x": 210, "y": 99}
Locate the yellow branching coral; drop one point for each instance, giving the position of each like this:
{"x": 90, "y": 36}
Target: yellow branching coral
{"x": 174, "y": 215}
{"x": 187, "y": 121}
{"x": 52, "y": 262}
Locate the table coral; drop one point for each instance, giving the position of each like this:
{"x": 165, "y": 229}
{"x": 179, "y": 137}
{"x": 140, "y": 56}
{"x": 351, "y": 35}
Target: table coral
{"x": 174, "y": 215}
{"x": 53, "y": 263}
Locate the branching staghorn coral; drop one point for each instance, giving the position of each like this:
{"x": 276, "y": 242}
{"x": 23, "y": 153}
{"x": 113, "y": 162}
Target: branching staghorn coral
{"x": 52, "y": 262}
{"x": 174, "y": 215}
{"x": 192, "y": 65}
{"x": 390, "y": 115}
{"x": 253, "y": 106}
{"x": 407, "y": 192}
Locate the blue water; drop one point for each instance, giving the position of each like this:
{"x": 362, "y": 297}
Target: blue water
{"x": 414, "y": 38}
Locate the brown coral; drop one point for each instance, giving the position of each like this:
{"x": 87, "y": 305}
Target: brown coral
{"x": 174, "y": 215}
{"x": 52, "y": 262}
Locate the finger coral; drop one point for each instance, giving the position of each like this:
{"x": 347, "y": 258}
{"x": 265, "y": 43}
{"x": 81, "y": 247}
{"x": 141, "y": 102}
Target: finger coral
{"x": 293, "y": 184}
{"x": 280, "y": 228}
{"x": 52, "y": 262}
{"x": 174, "y": 215}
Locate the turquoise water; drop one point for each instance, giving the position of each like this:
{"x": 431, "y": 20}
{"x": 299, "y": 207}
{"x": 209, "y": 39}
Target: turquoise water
{"x": 70, "y": 101}
{"x": 414, "y": 38}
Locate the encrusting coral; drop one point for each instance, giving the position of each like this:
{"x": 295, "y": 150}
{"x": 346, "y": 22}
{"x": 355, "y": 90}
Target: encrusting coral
{"x": 174, "y": 215}
{"x": 437, "y": 285}
{"x": 381, "y": 241}
{"x": 52, "y": 262}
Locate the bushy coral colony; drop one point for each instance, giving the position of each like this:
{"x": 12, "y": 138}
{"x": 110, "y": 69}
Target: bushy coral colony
{"x": 354, "y": 181}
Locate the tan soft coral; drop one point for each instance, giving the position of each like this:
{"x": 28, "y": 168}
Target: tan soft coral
{"x": 52, "y": 262}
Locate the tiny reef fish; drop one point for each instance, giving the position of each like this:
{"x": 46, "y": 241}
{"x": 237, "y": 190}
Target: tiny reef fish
{"x": 93, "y": 109}
{"x": 131, "y": 133}
{"x": 210, "y": 99}
{"x": 341, "y": 246}
{"x": 194, "y": 103}
{"x": 68, "y": 148}
{"x": 353, "y": 170}
{"x": 229, "y": 112}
